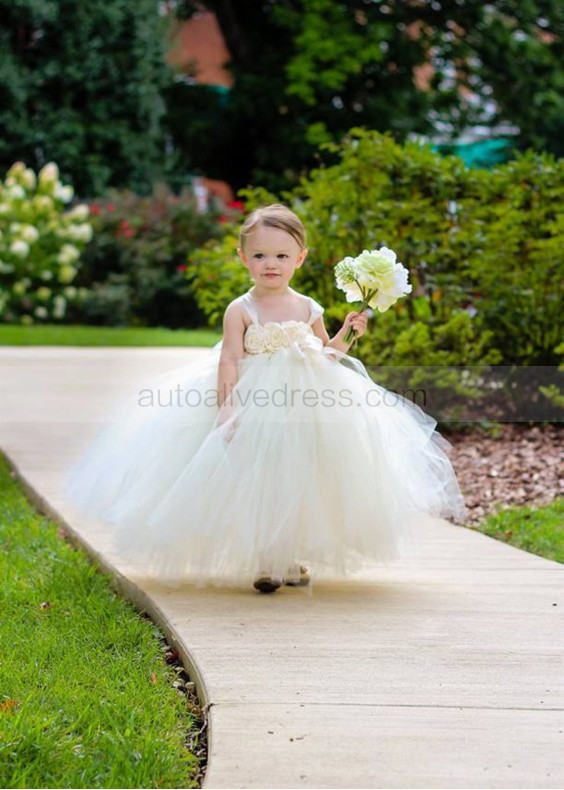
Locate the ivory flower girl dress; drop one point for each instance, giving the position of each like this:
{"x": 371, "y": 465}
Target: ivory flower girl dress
{"x": 316, "y": 464}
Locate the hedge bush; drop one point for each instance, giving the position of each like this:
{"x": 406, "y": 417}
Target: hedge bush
{"x": 134, "y": 266}
{"x": 483, "y": 248}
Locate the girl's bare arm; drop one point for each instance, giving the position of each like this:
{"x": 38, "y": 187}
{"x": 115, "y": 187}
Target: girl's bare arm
{"x": 232, "y": 351}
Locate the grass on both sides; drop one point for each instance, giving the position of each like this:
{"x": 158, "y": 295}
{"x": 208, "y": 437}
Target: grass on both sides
{"x": 538, "y": 530}
{"x": 81, "y": 335}
{"x": 85, "y": 692}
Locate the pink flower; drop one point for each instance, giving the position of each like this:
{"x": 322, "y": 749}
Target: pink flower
{"x": 127, "y": 232}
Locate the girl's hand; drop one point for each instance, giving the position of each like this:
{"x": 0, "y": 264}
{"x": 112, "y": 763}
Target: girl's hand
{"x": 358, "y": 321}
{"x": 231, "y": 428}
{"x": 226, "y": 413}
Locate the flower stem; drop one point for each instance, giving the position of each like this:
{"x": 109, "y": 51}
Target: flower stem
{"x": 350, "y": 333}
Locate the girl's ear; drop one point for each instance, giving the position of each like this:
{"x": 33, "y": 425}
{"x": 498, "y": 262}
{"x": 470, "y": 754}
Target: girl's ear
{"x": 302, "y": 256}
{"x": 241, "y": 255}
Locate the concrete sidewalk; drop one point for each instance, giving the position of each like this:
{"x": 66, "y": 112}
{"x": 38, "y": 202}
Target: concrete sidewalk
{"x": 444, "y": 671}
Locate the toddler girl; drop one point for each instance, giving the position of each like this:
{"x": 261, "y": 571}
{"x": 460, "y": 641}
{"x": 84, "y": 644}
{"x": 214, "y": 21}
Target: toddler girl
{"x": 281, "y": 451}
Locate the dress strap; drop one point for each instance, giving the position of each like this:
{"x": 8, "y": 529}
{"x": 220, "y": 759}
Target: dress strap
{"x": 316, "y": 310}
{"x": 249, "y": 305}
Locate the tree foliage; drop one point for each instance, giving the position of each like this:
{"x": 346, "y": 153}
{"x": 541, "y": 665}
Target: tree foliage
{"x": 483, "y": 248}
{"x": 308, "y": 70}
{"x": 81, "y": 83}
{"x": 88, "y": 86}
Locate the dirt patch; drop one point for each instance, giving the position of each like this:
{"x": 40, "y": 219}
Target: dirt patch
{"x": 521, "y": 465}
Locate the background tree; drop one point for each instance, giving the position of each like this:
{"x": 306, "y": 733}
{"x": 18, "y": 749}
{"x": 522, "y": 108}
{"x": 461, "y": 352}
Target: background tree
{"x": 510, "y": 55}
{"x": 88, "y": 85}
{"x": 308, "y": 70}
{"x": 80, "y": 83}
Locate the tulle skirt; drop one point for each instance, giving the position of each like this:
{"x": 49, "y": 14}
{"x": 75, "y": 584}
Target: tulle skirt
{"x": 316, "y": 464}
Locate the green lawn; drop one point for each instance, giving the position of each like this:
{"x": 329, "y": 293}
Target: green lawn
{"x": 537, "y": 530}
{"x": 85, "y": 692}
{"x": 79, "y": 335}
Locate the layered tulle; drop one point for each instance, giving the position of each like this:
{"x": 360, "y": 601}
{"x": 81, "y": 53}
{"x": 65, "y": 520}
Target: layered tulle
{"x": 316, "y": 463}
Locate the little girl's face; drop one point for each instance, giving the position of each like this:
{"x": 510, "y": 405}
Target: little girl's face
{"x": 271, "y": 255}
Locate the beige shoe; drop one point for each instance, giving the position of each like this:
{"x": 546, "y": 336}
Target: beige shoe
{"x": 299, "y": 577}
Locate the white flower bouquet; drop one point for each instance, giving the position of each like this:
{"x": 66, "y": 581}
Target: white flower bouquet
{"x": 373, "y": 278}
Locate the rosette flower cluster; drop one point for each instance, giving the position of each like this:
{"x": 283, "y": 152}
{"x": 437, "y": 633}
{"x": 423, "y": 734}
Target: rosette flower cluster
{"x": 273, "y": 335}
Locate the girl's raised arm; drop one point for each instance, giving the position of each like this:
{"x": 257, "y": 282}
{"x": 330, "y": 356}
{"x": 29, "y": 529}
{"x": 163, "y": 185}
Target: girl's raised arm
{"x": 232, "y": 350}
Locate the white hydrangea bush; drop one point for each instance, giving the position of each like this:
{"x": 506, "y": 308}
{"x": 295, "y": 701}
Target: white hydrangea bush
{"x": 41, "y": 243}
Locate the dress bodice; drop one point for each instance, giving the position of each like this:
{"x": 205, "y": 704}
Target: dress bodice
{"x": 272, "y": 335}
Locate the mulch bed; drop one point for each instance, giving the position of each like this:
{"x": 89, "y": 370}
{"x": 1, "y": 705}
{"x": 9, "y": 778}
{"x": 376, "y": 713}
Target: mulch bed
{"x": 521, "y": 465}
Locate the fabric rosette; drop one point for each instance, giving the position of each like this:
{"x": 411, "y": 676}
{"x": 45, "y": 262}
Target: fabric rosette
{"x": 274, "y": 335}
{"x": 374, "y": 278}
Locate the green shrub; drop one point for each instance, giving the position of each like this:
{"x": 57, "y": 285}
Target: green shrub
{"x": 483, "y": 248}
{"x": 515, "y": 238}
{"x": 105, "y": 304}
{"x": 553, "y": 392}
{"x": 217, "y": 275}
{"x": 142, "y": 243}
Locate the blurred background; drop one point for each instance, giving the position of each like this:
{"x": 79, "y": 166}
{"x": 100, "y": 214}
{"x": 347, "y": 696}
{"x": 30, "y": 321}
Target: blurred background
{"x": 135, "y": 138}
{"x": 244, "y": 92}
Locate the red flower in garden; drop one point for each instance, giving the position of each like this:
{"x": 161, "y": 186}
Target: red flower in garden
{"x": 181, "y": 268}
{"x": 223, "y": 218}
{"x": 94, "y": 209}
{"x": 124, "y": 231}
{"x": 110, "y": 206}
{"x": 238, "y": 204}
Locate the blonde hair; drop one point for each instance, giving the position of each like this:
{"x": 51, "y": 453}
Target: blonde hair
{"x": 274, "y": 215}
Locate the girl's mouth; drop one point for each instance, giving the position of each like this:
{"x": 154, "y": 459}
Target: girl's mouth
{"x": 270, "y": 274}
